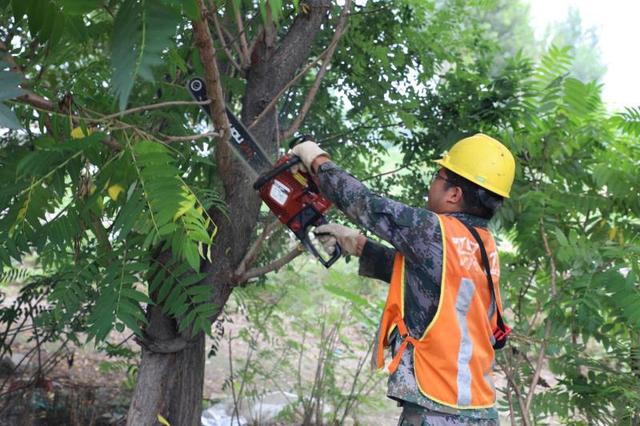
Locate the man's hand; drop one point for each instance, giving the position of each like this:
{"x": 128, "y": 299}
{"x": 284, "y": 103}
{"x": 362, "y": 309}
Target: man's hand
{"x": 351, "y": 241}
{"x": 308, "y": 151}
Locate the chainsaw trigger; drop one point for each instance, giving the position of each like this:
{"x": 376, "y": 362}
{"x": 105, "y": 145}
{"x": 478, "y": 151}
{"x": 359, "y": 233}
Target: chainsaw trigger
{"x": 321, "y": 234}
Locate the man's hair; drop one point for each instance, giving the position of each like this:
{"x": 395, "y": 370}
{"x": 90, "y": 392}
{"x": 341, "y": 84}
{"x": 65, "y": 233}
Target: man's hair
{"x": 475, "y": 199}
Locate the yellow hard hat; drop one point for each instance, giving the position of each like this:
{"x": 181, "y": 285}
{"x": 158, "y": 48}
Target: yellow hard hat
{"x": 484, "y": 161}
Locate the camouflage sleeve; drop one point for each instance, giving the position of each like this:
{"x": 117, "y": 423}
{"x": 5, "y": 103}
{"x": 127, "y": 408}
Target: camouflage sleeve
{"x": 411, "y": 230}
{"x": 376, "y": 261}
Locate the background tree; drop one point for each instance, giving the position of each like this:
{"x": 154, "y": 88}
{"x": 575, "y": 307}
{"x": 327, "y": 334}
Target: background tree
{"x": 587, "y": 62}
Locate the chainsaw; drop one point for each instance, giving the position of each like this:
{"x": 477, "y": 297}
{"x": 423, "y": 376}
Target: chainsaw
{"x": 293, "y": 197}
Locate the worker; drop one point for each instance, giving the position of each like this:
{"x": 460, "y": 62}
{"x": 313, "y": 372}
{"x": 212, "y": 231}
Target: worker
{"x": 442, "y": 317}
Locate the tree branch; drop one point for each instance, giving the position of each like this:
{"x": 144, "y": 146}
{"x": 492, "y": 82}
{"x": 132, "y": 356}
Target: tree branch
{"x": 37, "y": 101}
{"x": 40, "y": 103}
{"x": 511, "y": 379}
{"x": 204, "y": 43}
{"x": 243, "y": 38}
{"x": 339, "y": 32}
{"x": 225, "y": 47}
{"x": 252, "y": 253}
{"x": 273, "y": 266}
{"x": 547, "y": 326}
{"x": 275, "y": 99}
{"x": 153, "y": 106}
{"x": 170, "y": 139}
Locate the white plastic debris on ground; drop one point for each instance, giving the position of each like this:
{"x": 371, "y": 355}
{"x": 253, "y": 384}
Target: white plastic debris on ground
{"x": 263, "y": 410}
{"x": 217, "y": 416}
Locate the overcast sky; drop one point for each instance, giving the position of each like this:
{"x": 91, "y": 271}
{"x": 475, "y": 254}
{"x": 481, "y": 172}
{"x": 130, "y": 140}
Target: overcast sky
{"x": 618, "y": 27}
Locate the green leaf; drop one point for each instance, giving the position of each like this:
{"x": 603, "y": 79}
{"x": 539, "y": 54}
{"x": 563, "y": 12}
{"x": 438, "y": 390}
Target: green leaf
{"x": 276, "y": 9}
{"x": 191, "y": 255}
{"x": 9, "y": 85}
{"x": 80, "y": 7}
{"x": 20, "y": 8}
{"x": 8, "y": 118}
{"x": 142, "y": 30}
{"x": 190, "y": 9}
{"x": 352, "y": 297}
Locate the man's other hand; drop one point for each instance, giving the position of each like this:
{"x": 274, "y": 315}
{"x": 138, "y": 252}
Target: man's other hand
{"x": 351, "y": 240}
{"x": 308, "y": 151}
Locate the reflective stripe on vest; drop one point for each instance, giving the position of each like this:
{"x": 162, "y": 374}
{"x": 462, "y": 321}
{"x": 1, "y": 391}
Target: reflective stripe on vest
{"x": 453, "y": 358}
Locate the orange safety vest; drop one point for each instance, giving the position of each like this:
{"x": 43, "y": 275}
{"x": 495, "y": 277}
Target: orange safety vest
{"x": 453, "y": 358}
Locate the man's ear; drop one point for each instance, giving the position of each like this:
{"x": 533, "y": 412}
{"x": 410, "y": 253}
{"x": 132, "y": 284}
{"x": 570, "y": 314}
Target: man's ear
{"x": 454, "y": 195}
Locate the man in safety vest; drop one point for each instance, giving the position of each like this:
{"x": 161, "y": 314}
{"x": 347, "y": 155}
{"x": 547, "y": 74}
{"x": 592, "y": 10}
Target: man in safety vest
{"x": 442, "y": 318}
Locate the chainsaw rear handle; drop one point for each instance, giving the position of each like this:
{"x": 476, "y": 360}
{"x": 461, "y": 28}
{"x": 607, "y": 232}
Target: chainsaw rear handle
{"x": 304, "y": 237}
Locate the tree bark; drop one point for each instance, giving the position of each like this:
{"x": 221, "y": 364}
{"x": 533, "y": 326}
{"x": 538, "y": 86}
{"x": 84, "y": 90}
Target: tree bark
{"x": 170, "y": 384}
{"x": 164, "y": 376}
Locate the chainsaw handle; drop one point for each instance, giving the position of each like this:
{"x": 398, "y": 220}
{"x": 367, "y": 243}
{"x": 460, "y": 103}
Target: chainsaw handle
{"x": 307, "y": 243}
{"x": 292, "y": 161}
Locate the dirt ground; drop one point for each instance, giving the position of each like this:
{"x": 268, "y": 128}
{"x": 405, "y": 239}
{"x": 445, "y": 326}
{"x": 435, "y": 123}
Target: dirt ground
{"x": 87, "y": 387}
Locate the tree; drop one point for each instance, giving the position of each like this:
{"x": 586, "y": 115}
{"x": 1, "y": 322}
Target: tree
{"x": 163, "y": 210}
{"x": 583, "y": 43}
{"x": 572, "y": 277}
{"x": 137, "y": 220}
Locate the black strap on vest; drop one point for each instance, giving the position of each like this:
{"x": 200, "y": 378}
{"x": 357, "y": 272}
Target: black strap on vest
{"x": 487, "y": 272}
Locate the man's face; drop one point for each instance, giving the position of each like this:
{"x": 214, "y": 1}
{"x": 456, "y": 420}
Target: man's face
{"x": 439, "y": 193}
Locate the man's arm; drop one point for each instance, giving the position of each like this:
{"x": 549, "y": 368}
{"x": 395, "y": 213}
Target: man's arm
{"x": 376, "y": 261}
{"x": 408, "y": 229}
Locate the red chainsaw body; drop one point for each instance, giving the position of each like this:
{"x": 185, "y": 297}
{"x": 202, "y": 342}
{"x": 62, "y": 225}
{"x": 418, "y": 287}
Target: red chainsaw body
{"x": 294, "y": 198}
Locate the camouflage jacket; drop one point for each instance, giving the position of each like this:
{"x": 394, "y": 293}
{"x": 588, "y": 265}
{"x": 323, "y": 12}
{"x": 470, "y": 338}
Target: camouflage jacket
{"x": 415, "y": 232}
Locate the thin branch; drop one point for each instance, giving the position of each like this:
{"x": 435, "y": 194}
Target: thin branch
{"x": 273, "y": 266}
{"x": 511, "y": 379}
{"x": 243, "y": 38}
{"x": 254, "y": 42}
{"x": 152, "y": 106}
{"x": 223, "y": 41}
{"x": 355, "y": 129}
{"x": 204, "y": 43}
{"x": 169, "y": 139}
{"x": 269, "y": 33}
{"x": 390, "y": 172}
{"x": 512, "y": 413}
{"x": 275, "y": 99}
{"x": 42, "y": 104}
{"x": 233, "y": 386}
{"x": 37, "y": 101}
{"x": 313, "y": 91}
{"x": 252, "y": 253}
{"x": 547, "y": 327}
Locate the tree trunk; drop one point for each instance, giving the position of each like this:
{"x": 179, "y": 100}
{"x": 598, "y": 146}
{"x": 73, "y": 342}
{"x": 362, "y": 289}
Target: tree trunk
{"x": 170, "y": 384}
{"x": 163, "y": 376}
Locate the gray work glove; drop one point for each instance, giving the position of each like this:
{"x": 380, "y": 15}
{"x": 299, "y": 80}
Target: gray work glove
{"x": 351, "y": 240}
{"x": 308, "y": 151}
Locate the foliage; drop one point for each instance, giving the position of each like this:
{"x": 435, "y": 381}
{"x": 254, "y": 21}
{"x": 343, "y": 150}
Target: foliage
{"x": 308, "y": 334}
{"x": 99, "y": 217}
{"x": 572, "y": 280}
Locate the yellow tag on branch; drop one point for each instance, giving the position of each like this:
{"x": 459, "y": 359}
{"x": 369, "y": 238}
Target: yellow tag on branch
{"x": 114, "y": 191}
{"x": 163, "y": 421}
{"x": 78, "y": 133}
